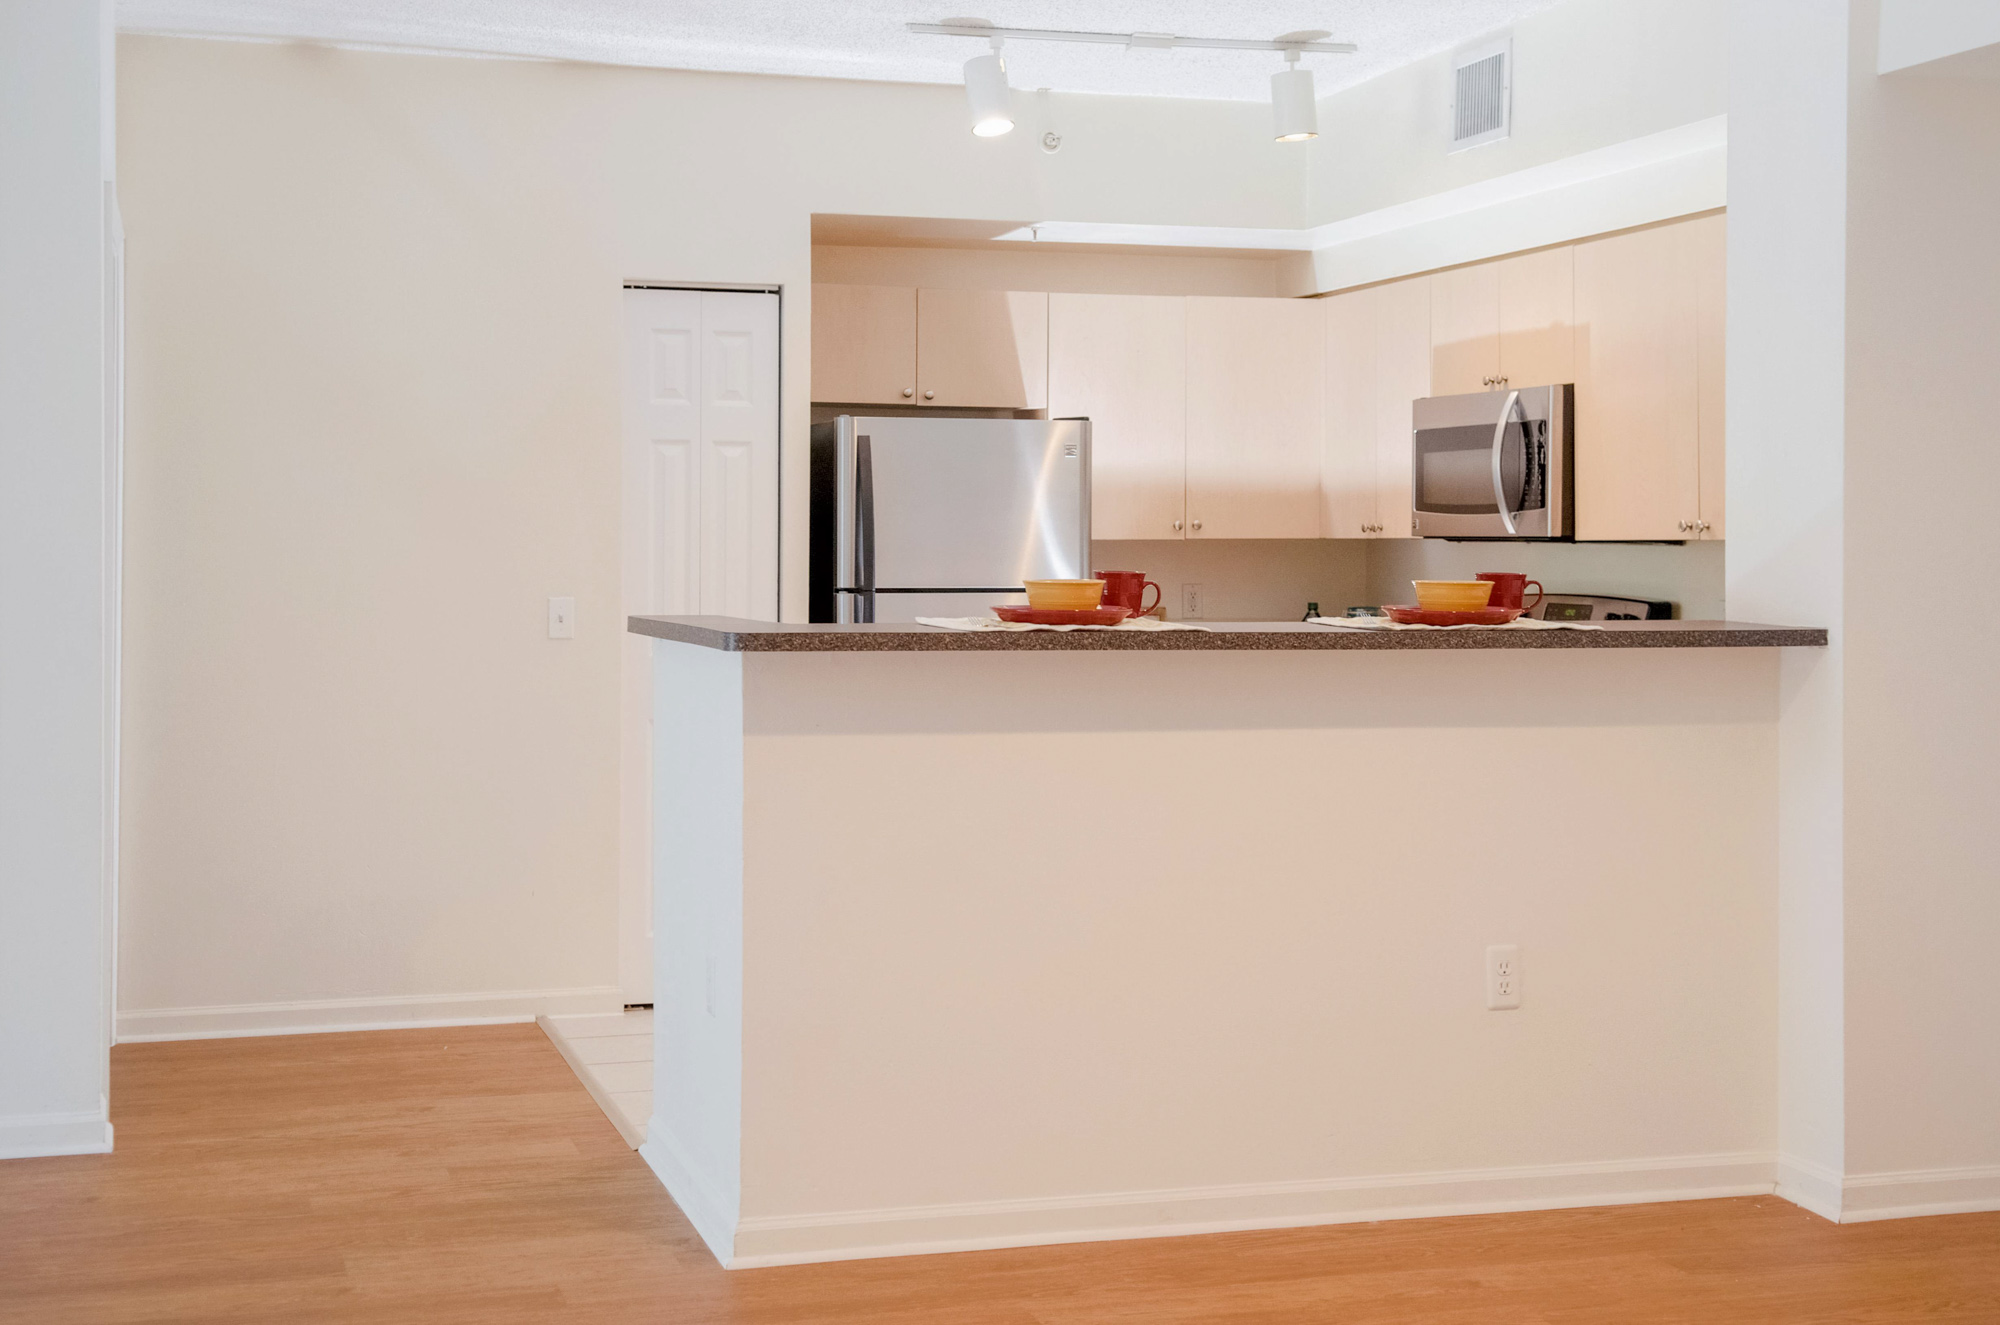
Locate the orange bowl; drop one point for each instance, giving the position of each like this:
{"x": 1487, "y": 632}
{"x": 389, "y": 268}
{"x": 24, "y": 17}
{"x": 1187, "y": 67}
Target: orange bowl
{"x": 1071, "y": 595}
{"x": 1453, "y": 595}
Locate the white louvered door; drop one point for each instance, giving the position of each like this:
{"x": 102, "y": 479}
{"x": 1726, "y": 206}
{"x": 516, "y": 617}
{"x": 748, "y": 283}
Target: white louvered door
{"x": 700, "y": 523}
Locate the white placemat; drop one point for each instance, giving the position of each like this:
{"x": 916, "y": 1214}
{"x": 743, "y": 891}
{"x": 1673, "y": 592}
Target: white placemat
{"x": 1138, "y": 624}
{"x": 1384, "y": 623}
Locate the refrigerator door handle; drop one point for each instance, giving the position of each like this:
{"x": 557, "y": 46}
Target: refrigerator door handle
{"x": 864, "y": 527}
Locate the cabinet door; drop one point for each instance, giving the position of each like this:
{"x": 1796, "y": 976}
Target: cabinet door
{"x": 1637, "y": 466}
{"x": 983, "y": 348}
{"x": 1402, "y": 377}
{"x": 1465, "y": 329}
{"x": 1711, "y": 258}
{"x": 1538, "y": 317}
{"x": 1347, "y": 459}
{"x": 864, "y": 344}
{"x": 1121, "y": 361}
{"x": 1255, "y": 396}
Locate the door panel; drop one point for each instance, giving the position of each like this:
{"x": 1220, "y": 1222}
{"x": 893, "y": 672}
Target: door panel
{"x": 864, "y": 344}
{"x": 1538, "y": 318}
{"x": 1637, "y": 450}
{"x": 1256, "y": 398}
{"x": 1465, "y": 329}
{"x": 739, "y": 464}
{"x": 1402, "y": 377}
{"x": 975, "y": 503}
{"x": 983, "y": 348}
{"x": 1121, "y": 362}
{"x": 1347, "y": 464}
{"x": 1711, "y": 259}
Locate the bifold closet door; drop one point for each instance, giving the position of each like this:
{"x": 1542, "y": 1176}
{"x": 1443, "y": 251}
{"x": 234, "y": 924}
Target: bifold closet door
{"x": 699, "y": 522}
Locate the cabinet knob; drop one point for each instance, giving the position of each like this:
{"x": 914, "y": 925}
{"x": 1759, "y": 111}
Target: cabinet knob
{"x": 1177, "y": 526}
{"x": 909, "y": 391}
{"x": 930, "y": 395}
{"x": 1684, "y": 526}
{"x": 1197, "y": 526}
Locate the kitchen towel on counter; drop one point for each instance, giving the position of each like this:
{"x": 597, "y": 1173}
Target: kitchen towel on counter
{"x": 1384, "y": 623}
{"x": 995, "y": 623}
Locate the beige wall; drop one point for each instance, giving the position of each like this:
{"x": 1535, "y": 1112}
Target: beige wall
{"x": 374, "y": 426}
{"x": 1922, "y": 719}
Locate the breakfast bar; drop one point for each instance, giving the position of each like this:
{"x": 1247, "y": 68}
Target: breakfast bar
{"x": 984, "y": 938}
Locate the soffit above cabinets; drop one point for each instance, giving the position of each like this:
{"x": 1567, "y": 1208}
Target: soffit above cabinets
{"x": 865, "y": 39}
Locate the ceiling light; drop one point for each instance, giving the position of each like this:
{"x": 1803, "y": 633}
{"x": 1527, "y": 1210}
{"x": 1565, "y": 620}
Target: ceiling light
{"x": 986, "y": 90}
{"x": 1293, "y": 107}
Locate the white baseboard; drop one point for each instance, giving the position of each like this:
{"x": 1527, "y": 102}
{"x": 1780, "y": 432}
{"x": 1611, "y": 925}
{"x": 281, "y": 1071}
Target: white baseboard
{"x": 1920, "y": 1192}
{"x": 30, "y": 1135}
{"x": 712, "y": 1215}
{"x": 1810, "y": 1186}
{"x": 362, "y": 1014}
{"x": 794, "y": 1239}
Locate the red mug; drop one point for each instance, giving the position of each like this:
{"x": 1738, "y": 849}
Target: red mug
{"x": 1127, "y": 588}
{"x": 1510, "y": 588}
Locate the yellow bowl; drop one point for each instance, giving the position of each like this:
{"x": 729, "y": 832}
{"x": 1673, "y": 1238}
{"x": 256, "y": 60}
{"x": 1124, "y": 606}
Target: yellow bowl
{"x": 1453, "y": 595}
{"x": 1064, "y": 595}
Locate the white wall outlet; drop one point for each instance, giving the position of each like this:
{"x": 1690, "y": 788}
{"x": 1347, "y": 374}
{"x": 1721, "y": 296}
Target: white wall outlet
{"x": 1190, "y": 600}
{"x": 562, "y": 618}
{"x": 1503, "y": 977}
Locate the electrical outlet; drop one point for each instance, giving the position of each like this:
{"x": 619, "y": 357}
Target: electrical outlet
{"x": 562, "y": 618}
{"x": 1191, "y": 600}
{"x": 1503, "y": 977}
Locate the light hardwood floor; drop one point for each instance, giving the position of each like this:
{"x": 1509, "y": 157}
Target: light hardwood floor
{"x": 446, "y": 1176}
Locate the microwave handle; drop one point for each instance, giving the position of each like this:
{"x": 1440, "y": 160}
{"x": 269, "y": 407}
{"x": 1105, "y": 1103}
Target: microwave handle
{"x": 1507, "y": 412}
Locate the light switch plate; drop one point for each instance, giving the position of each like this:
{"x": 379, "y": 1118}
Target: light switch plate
{"x": 562, "y": 618}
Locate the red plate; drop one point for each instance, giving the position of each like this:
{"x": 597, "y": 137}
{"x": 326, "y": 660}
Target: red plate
{"x": 1485, "y": 616}
{"x": 1064, "y": 616}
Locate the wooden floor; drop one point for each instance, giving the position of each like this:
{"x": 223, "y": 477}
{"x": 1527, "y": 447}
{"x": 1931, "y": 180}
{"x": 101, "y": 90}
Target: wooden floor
{"x": 464, "y": 1175}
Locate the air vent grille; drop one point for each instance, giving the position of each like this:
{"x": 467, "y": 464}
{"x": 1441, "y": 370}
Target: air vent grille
{"x": 1481, "y": 85}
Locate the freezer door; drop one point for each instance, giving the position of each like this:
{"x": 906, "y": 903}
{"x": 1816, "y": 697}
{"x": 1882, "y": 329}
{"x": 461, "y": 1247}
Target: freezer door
{"x": 906, "y": 607}
{"x": 959, "y": 504}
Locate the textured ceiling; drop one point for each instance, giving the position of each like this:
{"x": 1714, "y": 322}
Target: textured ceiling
{"x": 865, "y": 38}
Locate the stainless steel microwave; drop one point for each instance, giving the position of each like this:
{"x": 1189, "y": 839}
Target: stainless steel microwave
{"x": 1498, "y": 464}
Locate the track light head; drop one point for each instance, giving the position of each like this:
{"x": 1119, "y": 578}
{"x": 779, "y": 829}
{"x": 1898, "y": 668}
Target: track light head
{"x": 1294, "y": 109}
{"x": 986, "y": 92}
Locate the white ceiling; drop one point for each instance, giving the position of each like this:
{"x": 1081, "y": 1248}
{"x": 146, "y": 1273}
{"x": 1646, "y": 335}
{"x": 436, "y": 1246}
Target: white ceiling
{"x": 865, "y": 38}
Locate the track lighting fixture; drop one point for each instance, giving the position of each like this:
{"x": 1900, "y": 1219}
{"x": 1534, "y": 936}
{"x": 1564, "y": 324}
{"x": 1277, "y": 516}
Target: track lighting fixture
{"x": 1294, "y": 111}
{"x": 986, "y": 91}
{"x": 1293, "y": 105}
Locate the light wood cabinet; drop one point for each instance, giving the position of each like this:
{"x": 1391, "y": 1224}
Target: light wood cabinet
{"x": 1638, "y": 462}
{"x": 864, "y": 344}
{"x": 1378, "y": 361}
{"x": 1121, "y": 362}
{"x": 1510, "y": 322}
{"x": 1255, "y": 393}
{"x": 1711, "y": 244}
{"x": 983, "y": 348}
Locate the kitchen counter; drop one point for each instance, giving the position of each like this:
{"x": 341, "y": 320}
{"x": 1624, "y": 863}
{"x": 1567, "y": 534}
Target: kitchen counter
{"x": 736, "y": 635}
{"x": 1173, "y": 932}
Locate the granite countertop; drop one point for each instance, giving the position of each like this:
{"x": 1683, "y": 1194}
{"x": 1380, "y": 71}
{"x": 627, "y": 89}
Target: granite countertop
{"x": 738, "y": 635}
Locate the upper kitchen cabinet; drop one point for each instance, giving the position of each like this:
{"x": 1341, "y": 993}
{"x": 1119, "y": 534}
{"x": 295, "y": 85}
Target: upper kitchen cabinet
{"x": 1378, "y": 362}
{"x": 1255, "y": 397}
{"x": 1505, "y": 323}
{"x": 864, "y": 344}
{"x": 1638, "y": 413}
{"x": 1711, "y": 241}
{"x": 983, "y": 348}
{"x": 1121, "y": 362}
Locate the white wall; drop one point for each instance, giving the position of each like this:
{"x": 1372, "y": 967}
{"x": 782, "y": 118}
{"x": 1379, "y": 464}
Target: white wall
{"x": 1922, "y": 717}
{"x": 1786, "y": 423}
{"x": 1035, "y": 267}
{"x": 374, "y": 425}
{"x": 57, "y": 515}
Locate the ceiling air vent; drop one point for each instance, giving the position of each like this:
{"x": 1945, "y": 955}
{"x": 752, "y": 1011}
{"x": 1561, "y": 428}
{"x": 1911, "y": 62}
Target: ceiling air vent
{"x": 1482, "y": 92}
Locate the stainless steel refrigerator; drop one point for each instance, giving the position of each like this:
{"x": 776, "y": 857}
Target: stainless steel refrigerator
{"x": 915, "y": 516}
